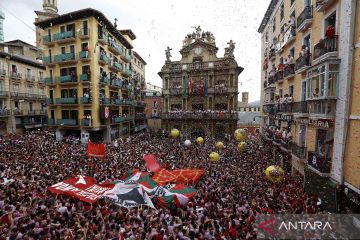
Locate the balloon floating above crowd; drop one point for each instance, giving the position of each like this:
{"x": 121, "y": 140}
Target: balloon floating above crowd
{"x": 175, "y": 133}
{"x": 241, "y": 146}
{"x": 200, "y": 140}
{"x": 240, "y": 135}
{"x": 187, "y": 143}
{"x": 274, "y": 173}
{"x": 214, "y": 157}
{"x": 220, "y": 145}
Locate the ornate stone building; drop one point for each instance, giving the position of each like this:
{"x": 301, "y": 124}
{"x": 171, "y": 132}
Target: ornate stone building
{"x": 201, "y": 90}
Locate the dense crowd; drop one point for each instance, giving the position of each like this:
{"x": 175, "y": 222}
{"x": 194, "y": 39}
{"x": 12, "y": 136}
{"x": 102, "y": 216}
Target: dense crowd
{"x": 202, "y": 114}
{"x": 230, "y": 194}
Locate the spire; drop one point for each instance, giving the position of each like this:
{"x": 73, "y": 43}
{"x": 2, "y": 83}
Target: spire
{"x": 50, "y": 6}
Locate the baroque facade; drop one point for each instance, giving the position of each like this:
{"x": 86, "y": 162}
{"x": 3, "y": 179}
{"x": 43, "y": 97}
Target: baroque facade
{"x": 201, "y": 90}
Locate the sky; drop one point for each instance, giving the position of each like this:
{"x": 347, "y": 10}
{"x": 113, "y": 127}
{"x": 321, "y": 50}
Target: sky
{"x": 161, "y": 23}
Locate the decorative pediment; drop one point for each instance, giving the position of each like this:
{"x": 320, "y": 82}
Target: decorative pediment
{"x": 198, "y": 47}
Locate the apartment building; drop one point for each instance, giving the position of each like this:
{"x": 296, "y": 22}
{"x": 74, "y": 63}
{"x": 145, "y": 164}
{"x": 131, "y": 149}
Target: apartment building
{"x": 307, "y": 76}
{"x": 89, "y": 77}
{"x": 22, "y": 88}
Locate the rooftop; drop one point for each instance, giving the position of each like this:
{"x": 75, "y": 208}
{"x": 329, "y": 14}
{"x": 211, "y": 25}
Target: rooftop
{"x": 267, "y": 15}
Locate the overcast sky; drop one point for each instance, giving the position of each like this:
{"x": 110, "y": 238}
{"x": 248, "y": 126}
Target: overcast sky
{"x": 161, "y": 23}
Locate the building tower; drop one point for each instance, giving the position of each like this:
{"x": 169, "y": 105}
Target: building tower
{"x": 245, "y": 97}
{"x": 50, "y": 10}
{"x": 2, "y": 18}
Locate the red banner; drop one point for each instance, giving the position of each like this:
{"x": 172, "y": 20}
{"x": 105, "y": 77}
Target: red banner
{"x": 184, "y": 176}
{"x": 81, "y": 187}
{"x": 96, "y": 150}
{"x": 151, "y": 163}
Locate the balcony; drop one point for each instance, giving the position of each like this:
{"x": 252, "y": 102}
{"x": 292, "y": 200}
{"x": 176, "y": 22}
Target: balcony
{"x": 49, "y": 101}
{"x": 302, "y": 63}
{"x": 320, "y": 163}
{"x": 84, "y": 33}
{"x": 115, "y": 67}
{"x": 31, "y": 112}
{"x": 128, "y": 102}
{"x": 42, "y": 112}
{"x": 29, "y": 78}
{"x": 84, "y": 56}
{"x": 218, "y": 89}
{"x": 322, "y": 107}
{"x": 269, "y": 109}
{"x": 272, "y": 54}
{"x": 86, "y": 122}
{"x": 117, "y": 119}
{"x": 299, "y": 152}
{"x": 84, "y": 77}
{"x": 4, "y": 113}
{"x": 115, "y": 48}
{"x": 18, "y": 95}
{"x": 50, "y": 121}
{"x": 176, "y": 91}
{"x": 4, "y": 94}
{"x": 325, "y": 50}
{"x": 103, "y": 59}
{"x": 68, "y": 100}
{"x": 117, "y": 101}
{"x": 127, "y": 72}
{"x": 47, "y": 60}
{"x": 41, "y": 80}
{"x": 66, "y": 58}
{"x": 105, "y": 101}
{"x": 49, "y": 81}
{"x": 103, "y": 37}
{"x": 47, "y": 40}
{"x": 140, "y": 116}
{"x": 67, "y": 122}
{"x": 2, "y": 73}
{"x": 116, "y": 83}
{"x": 289, "y": 71}
{"x": 299, "y": 107}
{"x": 279, "y": 76}
{"x": 201, "y": 116}
{"x": 322, "y": 5}
{"x": 104, "y": 80}
{"x": 272, "y": 79}
{"x": 305, "y": 19}
{"x": 64, "y": 37}
{"x": 85, "y": 100}
{"x": 18, "y": 112}
{"x": 68, "y": 79}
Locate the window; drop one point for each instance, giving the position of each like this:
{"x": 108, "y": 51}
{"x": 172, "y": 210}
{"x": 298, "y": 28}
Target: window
{"x": 274, "y": 24}
{"x": 41, "y": 75}
{"x": 15, "y": 88}
{"x": 41, "y": 91}
{"x": 154, "y": 104}
{"x": 291, "y": 90}
{"x": 280, "y": 93}
{"x": 266, "y": 37}
{"x": 30, "y": 106}
{"x": 28, "y": 72}
{"x": 29, "y": 90}
{"x": 292, "y": 52}
{"x": 282, "y": 12}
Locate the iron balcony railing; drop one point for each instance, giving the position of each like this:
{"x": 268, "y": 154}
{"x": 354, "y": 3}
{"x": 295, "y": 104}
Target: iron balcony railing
{"x": 326, "y": 46}
{"x": 84, "y": 77}
{"x": 64, "y": 35}
{"x": 306, "y": 14}
{"x": 289, "y": 70}
{"x": 303, "y": 61}
{"x": 66, "y": 79}
{"x": 67, "y": 100}
{"x": 176, "y": 91}
{"x": 319, "y": 162}
{"x": 4, "y": 112}
{"x": 64, "y": 57}
{"x": 68, "y": 122}
{"x": 84, "y": 55}
{"x": 86, "y": 122}
{"x": 298, "y": 151}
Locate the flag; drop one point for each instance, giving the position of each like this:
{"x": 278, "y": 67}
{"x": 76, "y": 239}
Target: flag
{"x": 128, "y": 195}
{"x": 184, "y": 176}
{"x": 185, "y": 86}
{"x": 183, "y": 193}
{"x": 206, "y": 87}
{"x": 96, "y": 150}
{"x": 132, "y": 175}
{"x": 82, "y": 187}
{"x": 190, "y": 85}
{"x": 151, "y": 163}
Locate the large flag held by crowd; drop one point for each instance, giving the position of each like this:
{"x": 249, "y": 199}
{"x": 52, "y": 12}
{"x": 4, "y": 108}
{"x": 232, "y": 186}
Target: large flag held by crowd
{"x": 96, "y": 150}
{"x": 82, "y": 187}
{"x": 165, "y": 187}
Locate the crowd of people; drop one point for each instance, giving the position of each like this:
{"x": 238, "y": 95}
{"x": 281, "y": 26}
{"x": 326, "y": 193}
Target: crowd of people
{"x": 202, "y": 114}
{"x": 232, "y": 192}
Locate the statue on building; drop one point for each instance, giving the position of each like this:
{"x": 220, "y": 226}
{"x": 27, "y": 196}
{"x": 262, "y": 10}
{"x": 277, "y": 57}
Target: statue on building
{"x": 168, "y": 54}
{"x": 187, "y": 40}
{"x": 229, "y": 51}
{"x": 210, "y": 37}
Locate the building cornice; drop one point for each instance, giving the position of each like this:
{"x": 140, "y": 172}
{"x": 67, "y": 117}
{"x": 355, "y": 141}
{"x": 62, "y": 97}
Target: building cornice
{"x": 267, "y": 15}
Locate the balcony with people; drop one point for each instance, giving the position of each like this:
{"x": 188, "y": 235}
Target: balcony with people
{"x": 67, "y": 76}
{"x": 284, "y": 104}
{"x": 65, "y": 58}
{"x": 327, "y": 48}
{"x": 298, "y": 150}
{"x": 68, "y": 97}
{"x": 303, "y": 62}
{"x": 200, "y": 114}
{"x": 176, "y": 89}
{"x": 323, "y": 5}
{"x": 103, "y": 58}
{"x": 84, "y": 54}
{"x": 103, "y": 35}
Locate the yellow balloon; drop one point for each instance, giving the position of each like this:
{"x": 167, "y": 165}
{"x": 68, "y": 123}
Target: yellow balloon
{"x": 242, "y": 146}
{"x": 274, "y": 173}
{"x": 239, "y": 136}
{"x": 175, "y": 133}
{"x": 200, "y": 140}
{"x": 220, "y": 145}
{"x": 214, "y": 157}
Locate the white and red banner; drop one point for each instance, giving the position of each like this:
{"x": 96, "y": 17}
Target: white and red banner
{"x": 82, "y": 187}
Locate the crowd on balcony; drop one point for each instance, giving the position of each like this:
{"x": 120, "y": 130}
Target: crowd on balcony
{"x": 283, "y": 103}
{"x": 280, "y": 135}
{"x": 221, "y": 87}
{"x": 202, "y": 114}
{"x": 86, "y": 120}
{"x": 231, "y": 194}
{"x": 3, "y": 110}
{"x": 327, "y": 44}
